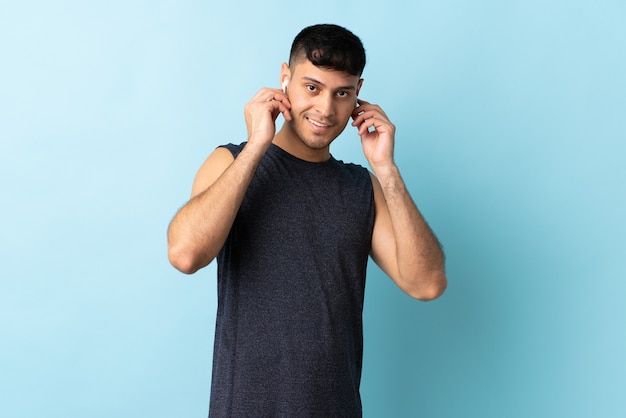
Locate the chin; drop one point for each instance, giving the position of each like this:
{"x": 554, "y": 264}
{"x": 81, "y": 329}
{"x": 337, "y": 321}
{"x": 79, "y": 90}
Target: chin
{"x": 316, "y": 143}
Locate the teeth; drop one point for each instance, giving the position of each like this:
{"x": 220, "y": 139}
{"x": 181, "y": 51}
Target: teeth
{"x": 317, "y": 123}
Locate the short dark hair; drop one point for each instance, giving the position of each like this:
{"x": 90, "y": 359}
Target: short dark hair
{"x": 329, "y": 46}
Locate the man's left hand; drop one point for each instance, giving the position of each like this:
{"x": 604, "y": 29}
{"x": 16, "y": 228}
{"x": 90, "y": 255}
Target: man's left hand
{"x": 376, "y": 131}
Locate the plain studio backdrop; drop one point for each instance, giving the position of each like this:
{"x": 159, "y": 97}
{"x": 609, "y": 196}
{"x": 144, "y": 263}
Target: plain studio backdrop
{"x": 511, "y": 125}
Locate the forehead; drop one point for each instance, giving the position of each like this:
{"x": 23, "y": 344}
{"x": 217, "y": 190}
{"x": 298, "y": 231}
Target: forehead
{"x": 304, "y": 69}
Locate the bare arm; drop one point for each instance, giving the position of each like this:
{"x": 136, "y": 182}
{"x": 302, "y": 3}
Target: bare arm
{"x": 403, "y": 244}
{"x": 200, "y": 228}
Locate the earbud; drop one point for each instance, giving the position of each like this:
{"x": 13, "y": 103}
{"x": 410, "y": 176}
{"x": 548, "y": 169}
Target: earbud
{"x": 284, "y": 85}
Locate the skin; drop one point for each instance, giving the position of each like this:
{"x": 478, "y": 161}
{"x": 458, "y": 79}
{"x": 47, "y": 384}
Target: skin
{"x": 317, "y": 106}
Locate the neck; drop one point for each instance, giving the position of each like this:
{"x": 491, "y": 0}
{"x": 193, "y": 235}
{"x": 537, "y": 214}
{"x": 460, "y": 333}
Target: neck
{"x": 290, "y": 142}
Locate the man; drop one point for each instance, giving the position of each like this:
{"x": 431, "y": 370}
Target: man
{"x": 292, "y": 229}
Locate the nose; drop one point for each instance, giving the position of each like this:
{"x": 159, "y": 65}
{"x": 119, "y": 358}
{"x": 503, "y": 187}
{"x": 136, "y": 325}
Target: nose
{"x": 326, "y": 105}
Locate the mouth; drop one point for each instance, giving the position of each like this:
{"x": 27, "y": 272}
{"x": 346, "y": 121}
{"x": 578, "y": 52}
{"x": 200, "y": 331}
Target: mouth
{"x": 317, "y": 124}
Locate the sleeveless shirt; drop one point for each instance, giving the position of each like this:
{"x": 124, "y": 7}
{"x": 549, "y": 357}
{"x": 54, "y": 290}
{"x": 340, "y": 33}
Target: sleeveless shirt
{"x": 291, "y": 281}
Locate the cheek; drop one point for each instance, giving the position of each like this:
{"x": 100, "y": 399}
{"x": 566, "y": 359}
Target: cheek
{"x": 298, "y": 99}
{"x": 345, "y": 110}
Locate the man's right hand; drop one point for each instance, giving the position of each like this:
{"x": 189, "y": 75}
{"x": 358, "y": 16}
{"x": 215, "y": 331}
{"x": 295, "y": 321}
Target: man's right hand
{"x": 261, "y": 113}
{"x": 200, "y": 228}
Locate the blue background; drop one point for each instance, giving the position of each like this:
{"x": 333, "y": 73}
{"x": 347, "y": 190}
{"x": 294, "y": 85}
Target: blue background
{"x": 511, "y": 125}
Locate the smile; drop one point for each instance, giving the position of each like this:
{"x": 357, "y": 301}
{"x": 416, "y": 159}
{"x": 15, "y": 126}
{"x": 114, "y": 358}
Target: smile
{"x": 318, "y": 124}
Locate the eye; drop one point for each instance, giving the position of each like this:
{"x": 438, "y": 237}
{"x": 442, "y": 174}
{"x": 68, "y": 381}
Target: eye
{"x": 342, "y": 93}
{"x": 311, "y": 87}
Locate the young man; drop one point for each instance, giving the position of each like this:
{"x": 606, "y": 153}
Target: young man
{"x": 292, "y": 229}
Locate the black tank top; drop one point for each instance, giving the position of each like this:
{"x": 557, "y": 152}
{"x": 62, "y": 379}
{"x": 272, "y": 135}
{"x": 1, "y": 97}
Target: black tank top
{"x": 291, "y": 280}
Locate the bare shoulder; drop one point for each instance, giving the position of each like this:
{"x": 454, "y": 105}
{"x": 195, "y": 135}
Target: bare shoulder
{"x": 378, "y": 191}
{"x": 213, "y": 167}
{"x": 382, "y": 221}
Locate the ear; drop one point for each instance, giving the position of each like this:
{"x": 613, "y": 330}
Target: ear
{"x": 358, "y": 86}
{"x": 285, "y": 74}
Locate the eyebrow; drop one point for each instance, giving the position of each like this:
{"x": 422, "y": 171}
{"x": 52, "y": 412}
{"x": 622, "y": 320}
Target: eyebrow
{"x": 314, "y": 81}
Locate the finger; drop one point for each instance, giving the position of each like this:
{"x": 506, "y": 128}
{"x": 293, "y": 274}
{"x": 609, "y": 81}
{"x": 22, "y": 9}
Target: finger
{"x": 364, "y": 106}
{"x": 363, "y": 124}
{"x": 268, "y": 95}
{"x": 362, "y": 116}
{"x": 263, "y": 95}
{"x": 368, "y": 126}
{"x": 378, "y": 124}
{"x": 359, "y": 108}
{"x": 280, "y": 99}
{"x": 283, "y": 107}
{"x": 287, "y": 114}
{"x": 279, "y": 96}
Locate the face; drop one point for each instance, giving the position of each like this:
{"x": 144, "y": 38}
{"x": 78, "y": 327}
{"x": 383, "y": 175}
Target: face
{"x": 321, "y": 100}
